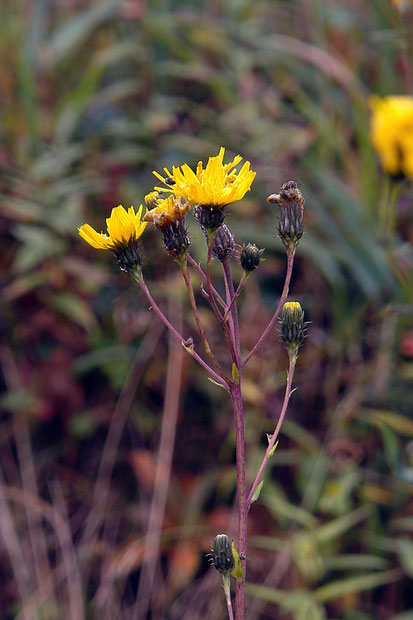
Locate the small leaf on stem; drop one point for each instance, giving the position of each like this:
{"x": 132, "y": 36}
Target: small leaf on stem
{"x": 235, "y": 373}
{"x": 257, "y": 492}
{"x": 238, "y": 573}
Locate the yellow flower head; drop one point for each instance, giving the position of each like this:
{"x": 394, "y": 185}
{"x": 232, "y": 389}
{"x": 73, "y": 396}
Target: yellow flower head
{"x": 123, "y": 227}
{"x": 392, "y": 133}
{"x": 216, "y": 185}
{"x": 166, "y": 211}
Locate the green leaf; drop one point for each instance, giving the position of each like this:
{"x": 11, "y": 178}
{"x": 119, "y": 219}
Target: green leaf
{"x": 238, "y": 573}
{"x": 68, "y": 37}
{"x": 328, "y": 532}
{"x": 336, "y": 589}
{"x": 257, "y": 492}
{"x": 405, "y": 549}
{"x": 396, "y": 421}
{"x": 273, "y": 449}
{"x": 74, "y": 308}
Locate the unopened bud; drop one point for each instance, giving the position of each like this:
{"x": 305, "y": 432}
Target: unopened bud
{"x": 175, "y": 238}
{"x": 292, "y": 326}
{"x": 291, "y": 203}
{"x": 250, "y": 257}
{"x": 223, "y": 244}
{"x": 221, "y": 554}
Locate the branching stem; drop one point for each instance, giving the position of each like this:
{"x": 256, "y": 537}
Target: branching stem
{"x": 290, "y": 263}
{"x": 201, "y": 330}
{"x": 189, "y": 347}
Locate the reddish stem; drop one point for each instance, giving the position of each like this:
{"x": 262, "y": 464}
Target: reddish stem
{"x": 235, "y": 393}
{"x": 201, "y": 330}
{"x": 290, "y": 262}
{"x": 199, "y": 269}
{"x": 232, "y": 308}
{"x": 273, "y": 440}
{"x": 235, "y": 296}
{"x": 219, "y": 316}
{"x": 181, "y": 339}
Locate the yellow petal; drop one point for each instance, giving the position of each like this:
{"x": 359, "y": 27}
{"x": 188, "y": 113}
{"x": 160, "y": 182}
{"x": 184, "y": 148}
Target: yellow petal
{"x": 93, "y": 238}
{"x": 120, "y": 225}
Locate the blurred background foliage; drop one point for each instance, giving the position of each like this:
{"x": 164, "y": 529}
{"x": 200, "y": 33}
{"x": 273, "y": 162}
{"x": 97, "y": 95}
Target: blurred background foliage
{"x": 96, "y": 95}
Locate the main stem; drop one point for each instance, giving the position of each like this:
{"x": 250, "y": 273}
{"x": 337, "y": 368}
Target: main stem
{"x": 235, "y": 393}
{"x": 234, "y": 310}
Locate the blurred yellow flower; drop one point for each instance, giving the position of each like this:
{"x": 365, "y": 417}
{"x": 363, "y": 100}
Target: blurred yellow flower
{"x": 392, "y": 133}
{"x": 216, "y": 185}
{"x": 166, "y": 211}
{"x": 401, "y": 5}
{"x": 123, "y": 227}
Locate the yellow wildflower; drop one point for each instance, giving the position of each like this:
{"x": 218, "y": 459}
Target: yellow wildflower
{"x": 215, "y": 186}
{"x": 123, "y": 227}
{"x": 166, "y": 211}
{"x": 392, "y": 133}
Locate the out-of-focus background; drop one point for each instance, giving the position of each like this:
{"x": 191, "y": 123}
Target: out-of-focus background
{"x": 94, "y": 96}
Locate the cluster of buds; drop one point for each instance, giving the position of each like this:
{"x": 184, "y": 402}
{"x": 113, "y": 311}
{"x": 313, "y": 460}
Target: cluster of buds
{"x": 291, "y": 203}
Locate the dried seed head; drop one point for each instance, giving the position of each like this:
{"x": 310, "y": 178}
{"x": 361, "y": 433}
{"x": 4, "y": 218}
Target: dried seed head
{"x": 292, "y": 327}
{"x": 291, "y": 203}
{"x": 250, "y": 257}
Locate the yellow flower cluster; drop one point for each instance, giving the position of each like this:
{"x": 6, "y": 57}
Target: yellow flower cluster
{"x": 216, "y": 185}
{"x": 392, "y": 133}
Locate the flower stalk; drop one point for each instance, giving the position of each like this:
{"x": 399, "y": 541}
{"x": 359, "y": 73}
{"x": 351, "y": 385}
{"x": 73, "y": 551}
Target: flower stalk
{"x": 209, "y": 190}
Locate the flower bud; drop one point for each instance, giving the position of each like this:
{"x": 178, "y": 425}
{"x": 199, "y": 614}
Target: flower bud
{"x": 250, "y": 257}
{"x": 292, "y": 327}
{"x": 291, "y": 203}
{"x": 175, "y": 238}
{"x": 222, "y": 557}
{"x": 223, "y": 244}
